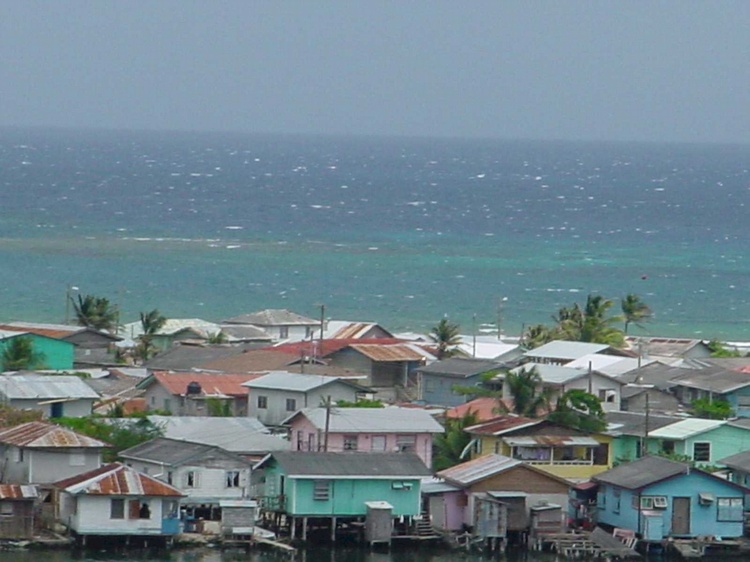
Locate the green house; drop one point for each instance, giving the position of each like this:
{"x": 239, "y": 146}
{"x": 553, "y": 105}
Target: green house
{"x": 53, "y": 353}
{"x": 310, "y": 484}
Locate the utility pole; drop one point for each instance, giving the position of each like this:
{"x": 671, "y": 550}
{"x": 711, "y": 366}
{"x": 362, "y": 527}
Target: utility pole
{"x": 322, "y": 322}
{"x": 328, "y": 424}
{"x": 500, "y": 302}
{"x": 474, "y": 335}
{"x": 644, "y": 447}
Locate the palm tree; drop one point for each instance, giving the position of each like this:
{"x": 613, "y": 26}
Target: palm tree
{"x": 580, "y": 410}
{"x": 19, "y": 354}
{"x": 449, "y": 447}
{"x": 634, "y": 310}
{"x": 526, "y": 388}
{"x": 537, "y": 335}
{"x": 95, "y": 312}
{"x": 217, "y": 338}
{"x": 152, "y": 321}
{"x": 446, "y": 335}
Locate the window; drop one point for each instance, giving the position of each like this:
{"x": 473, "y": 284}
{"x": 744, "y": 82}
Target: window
{"x": 167, "y": 405}
{"x": 19, "y": 455}
{"x": 300, "y": 440}
{"x": 653, "y": 502}
{"x": 351, "y": 442}
{"x": 702, "y": 452}
{"x": 145, "y": 470}
{"x": 233, "y": 478}
{"x": 667, "y": 447}
{"x": 321, "y": 490}
{"x": 291, "y": 405}
{"x": 169, "y": 477}
{"x": 602, "y": 497}
{"x": 6, "y": 509}
{"x": 144, "y": 512}
{"x": 378, "y": 443}
{"x": 283, "y": 332}
{"x": 262, "y": 402}
{"x": 729, "y": 509}
{"x": 191, "y": 479}
{"x": 401, "y": 485}
{"x": 406, "y": 443}
{"x": 117, "y": 509}
{"x": 616, "y": 504}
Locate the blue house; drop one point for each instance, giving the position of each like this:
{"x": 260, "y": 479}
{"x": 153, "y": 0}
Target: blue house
{"x": 659, "y": 498}
{"x": 437, "y": 381}
{"x": 714, "y": 383}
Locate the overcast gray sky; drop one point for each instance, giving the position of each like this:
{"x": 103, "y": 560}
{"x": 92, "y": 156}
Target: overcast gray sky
{"x": 638, "y": 70}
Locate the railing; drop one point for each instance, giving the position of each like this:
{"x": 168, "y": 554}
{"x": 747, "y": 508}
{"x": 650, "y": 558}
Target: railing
{"x": 557, "y": 462}
{"x": 272, "y": 503}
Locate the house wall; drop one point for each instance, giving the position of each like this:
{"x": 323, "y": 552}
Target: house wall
{"x": 277, "y": 411}
{"x": 16, "y": 519}
{"x": 438, "y": 390}
{"x": 348, "y": 496}
{"x": 158, "y": 398}
{"x": 703, "y": 517}
{"x": 91, "y": 515}
{"x": 304, "y": 436}
{"x": 725, "y": 440}
{"x": 90, "y": 340}
{"x": 607, "y": 389}
{"x": 354, "y": 361}
{"x": 658, "y": 401}
{"x": 58, "y": 354}
{"x": 210, "y": 479}
{"x": 46, "y": 466}
{"x": 77, "y": 408}
{"x": 447, "y": 510}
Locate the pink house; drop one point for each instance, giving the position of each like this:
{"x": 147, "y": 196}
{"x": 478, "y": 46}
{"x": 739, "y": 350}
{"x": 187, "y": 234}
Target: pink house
{"x": 365, "y": 430}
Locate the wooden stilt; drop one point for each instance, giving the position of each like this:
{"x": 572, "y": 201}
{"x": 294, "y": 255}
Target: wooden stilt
{"x": 304, "y": 529}
{"x": 293, "y": 528}
{"x": 333, "y": 529}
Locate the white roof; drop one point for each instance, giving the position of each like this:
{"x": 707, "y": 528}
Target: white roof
{"x": 174, "y": 325}
{"x": 484, "y": 349}
{"x": 236, "y": 434}
{"x": 373, "y": 420}
{"x": 10, "y": 333}
{"x": 554, "y": 374}
{"x": 545, "y": 442}
{"x": 571, "y": 350}
{"x": 686, "y": 428}
{"x": 598, "y": 361}
{"x": 284, "y": 380}
{"x": 41, "y": 387}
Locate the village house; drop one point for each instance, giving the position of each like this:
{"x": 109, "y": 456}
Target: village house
{"x": 53, "y": 353}
{"x": 175, "y": 330}
{"x": 608, "y": 365}
{"x": 280, "y": 324}
{"x": 437, "y": 382}
{"x": 277, "y": 395}
{"x": 739, "y": 470}
{"x": 206, "y": 474}
{"x": 668, "y": 350}
{"x": 243, "y": 436}
{"x": 629, "y": 430}
{"x": 364, "y": 430}
{"x": 659, "y": 498}
{"x": 116, "y": 500}
{"x": 339, "y": 486}
{"x": 515, "y": 484}
{"x": 714, "y": 383}
{"x": 560, "y": 352}
{"x": 700, "y": 440}
{"x": 18, "y": 517}
{"x": 490, "y": 348}
{"x": 53, "y": 395}
{"x": 346, "y": 330}
{"x": 41, "y": 453}
{"x": 564, "y": 452}
{"x": 196, "y": 357}
{"x": 196, "y": 393}
{"x": 642, "y": 398}
{"x": 483, "y": 408}
{"x": 559, "y": 379}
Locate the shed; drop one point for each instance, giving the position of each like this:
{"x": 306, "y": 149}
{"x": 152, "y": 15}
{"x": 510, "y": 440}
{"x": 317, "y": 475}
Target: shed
{"x": 378, "y": 522}
{"x": 17, "y": 514}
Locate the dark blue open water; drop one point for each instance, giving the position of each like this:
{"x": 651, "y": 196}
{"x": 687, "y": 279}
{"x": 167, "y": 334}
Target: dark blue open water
{"x": 402, "y": 231}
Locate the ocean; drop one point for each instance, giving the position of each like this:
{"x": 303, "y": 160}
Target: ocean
{"x": 403, "y": 231}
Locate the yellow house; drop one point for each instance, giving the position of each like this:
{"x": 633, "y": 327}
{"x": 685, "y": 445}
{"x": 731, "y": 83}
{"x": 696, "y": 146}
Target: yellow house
{"x": 551, "y": 447}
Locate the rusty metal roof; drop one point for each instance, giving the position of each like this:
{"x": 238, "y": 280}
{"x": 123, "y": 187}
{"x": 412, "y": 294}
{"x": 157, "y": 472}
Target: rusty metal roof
{"x": 212, "y": 384}
{"x": 117, "y": 480}
{"x": 18, "y": 492}
{"x": 393, "y": 352}
{"x": 47, "y": 435}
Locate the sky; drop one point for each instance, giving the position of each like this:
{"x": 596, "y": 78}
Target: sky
{"x": 642, "y": 70}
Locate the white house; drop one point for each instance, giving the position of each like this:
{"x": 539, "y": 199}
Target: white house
{"x": 280, "y": 324}
{"x": 53, "y": 395}
{"x": 206, "y": 474}
{"x": 41, "y": 453}
{"x": 117, "y": 500}
{"x": 273, "y": 397}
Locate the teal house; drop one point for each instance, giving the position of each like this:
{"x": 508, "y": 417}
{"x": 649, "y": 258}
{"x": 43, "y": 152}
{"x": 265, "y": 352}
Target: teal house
{"x": 702, "y": 441}
{"x": 659, "y": 498}
{"x": 339, "y": 487}
{"x": 53, "y": 353}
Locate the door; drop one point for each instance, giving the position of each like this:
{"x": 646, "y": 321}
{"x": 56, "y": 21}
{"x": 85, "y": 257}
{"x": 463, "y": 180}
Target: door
{"x": 56, "y": 410}
{"x": 680, "y": 516}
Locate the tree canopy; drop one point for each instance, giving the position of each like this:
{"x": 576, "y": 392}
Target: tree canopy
{"x": 634, "y": 311}
{"x": 446, "y": 335}
{"x": 449, "y": 447}
{"x": 580, "y": 410}
{"x": 19, "y": 355}
{"x": 95, "y": 312}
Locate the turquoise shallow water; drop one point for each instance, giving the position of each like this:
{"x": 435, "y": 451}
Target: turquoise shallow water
{"x": 402, "y": 231}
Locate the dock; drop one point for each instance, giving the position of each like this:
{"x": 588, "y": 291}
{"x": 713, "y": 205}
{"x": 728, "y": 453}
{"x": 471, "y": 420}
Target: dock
{"x": 594, "y": 544}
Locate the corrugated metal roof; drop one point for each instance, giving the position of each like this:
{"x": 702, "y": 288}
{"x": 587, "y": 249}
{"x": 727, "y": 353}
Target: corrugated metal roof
{"x": 47, "y": 435}
{"x": 396, "y": 352}
{"x": 18, "y": 492}
{"x": 460, "y": 367}
{"x": 739, "y": 461}
{"x": 502, "y": 424}
{"x": 284, "y": 380}
{"x": 372, "y": 420}
{"x": 44, "y": 387}
{"x": 372, "y": 465}
{"x": 714, "y": 379}
{"x": 5, "y": 334}
{"x": 478, "y": 469}
{"x": 554, "y": 374}
{"x": 565, "y": 350}
{"x": 175, "y": 325}
{"x": 435, "y": 486}
{"x": 347, "y": 330}
{"x": 273, "y": 317}
{"x": 212, "y": 384}
{"x": 685, "y": 428}
{"x": 173, "y": 452}
{"x": 642, "y": 472}
{"x": 634, "y": 423}
{"x": 117, "y": 480}
{"x": 551, "y": 441}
